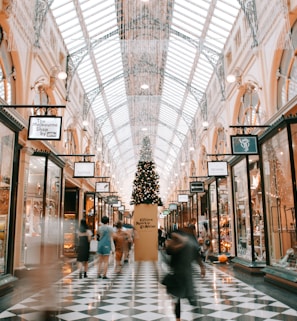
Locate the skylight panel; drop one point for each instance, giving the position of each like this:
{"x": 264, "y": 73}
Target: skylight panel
{"x": 61, "y": 9}
{"x": 176, "y": 69}
{"x": 214, "y": 41}
{"x": 224, "y": 16}
{"x": 106, "y": 8}
{"x": 232, "y": 7}
{"x": 182, "y": 47}
{"x": 189, "y": 26}
{"x": 164, "y": 132}
{"x": 106, "y": 26}
{"x": 191, "y": 106}
{"x": 176, "y": 141}
{"x": 178, "y": 56}
{"x": 168, "y": 115}
{"x": 106, "y": 127}
{"x": 222, "y": 34}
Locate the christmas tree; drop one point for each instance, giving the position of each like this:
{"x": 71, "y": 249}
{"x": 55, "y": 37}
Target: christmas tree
{"x": 146, "y": 182}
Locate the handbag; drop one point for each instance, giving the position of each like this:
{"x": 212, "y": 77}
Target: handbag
{"x": 173, "y": 284}
{"x": 93, "y": 246}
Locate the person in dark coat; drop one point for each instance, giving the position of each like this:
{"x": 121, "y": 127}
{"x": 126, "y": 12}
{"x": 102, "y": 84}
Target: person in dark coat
{"x": 84, "y": 239}
{"x": 183, "y": 249}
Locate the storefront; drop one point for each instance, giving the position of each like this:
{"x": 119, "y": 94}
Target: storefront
{"x": 220, "y": 217}
{"x": 9, "y": 161}
{"x": 70, "y": 226}
{"x": 43, "y": 237}
{"x": 279, "y": 163}
{"x": 248, "y": 214}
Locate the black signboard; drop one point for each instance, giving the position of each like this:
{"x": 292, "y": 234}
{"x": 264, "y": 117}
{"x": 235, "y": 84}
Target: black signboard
{"x": 112, "y": 200}
{"x": 197, "y": 187}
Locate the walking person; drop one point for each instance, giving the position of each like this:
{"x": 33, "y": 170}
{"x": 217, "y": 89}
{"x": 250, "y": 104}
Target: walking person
{"x": 121, "y": 239}
{"x": 182, "y": 249}
{"x": 104, "y": 247}
{"x": 84, "y": 239}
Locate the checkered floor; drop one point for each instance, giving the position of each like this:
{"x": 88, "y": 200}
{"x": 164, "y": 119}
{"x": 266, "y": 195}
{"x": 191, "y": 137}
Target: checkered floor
{"x": 137, "y": 295}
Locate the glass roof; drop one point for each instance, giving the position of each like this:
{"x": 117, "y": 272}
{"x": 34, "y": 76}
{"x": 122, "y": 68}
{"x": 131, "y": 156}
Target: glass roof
{"x": 119, "y": 45}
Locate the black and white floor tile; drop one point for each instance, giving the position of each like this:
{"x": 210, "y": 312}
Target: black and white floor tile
{"x": 137, "y": 295}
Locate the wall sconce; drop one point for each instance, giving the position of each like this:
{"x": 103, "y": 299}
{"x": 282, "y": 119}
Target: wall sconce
{"x": 252, "y": 86}
{"x": 85, "y": 124}
{"x": 56, "y": 72}
{"x": 235, "y": 76}
{"x": 40, "y": 85}
{"x": 205, "y": 125}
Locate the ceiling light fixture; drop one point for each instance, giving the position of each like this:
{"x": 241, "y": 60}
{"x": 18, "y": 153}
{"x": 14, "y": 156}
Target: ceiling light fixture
{"x": 144, "y": 86}
{"x": 205, "y": 124}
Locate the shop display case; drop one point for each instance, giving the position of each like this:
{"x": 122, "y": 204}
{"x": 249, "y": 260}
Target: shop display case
{"x": 70, "y": 234}
{"x": 220, "y": 217}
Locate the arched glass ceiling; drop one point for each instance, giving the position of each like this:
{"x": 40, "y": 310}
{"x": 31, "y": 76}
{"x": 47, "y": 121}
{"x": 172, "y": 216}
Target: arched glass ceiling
{"x": 171, "y": 45}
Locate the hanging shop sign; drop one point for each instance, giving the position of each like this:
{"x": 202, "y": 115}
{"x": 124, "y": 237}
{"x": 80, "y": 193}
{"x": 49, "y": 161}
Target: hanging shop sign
{"x": 217, "y": 168}
{"x": 172, "y": 206}
{"x": 183, "y": 198}
{"x": 112, "y": 200}
{"x": 121, "y": 208}
{"x": 44, "y": 128}
{"x": 244, "y": 144}
{"x": 102, "y": 187}
{"x": 197, "y": 187}
{"x": 117, "y": 205}
{"x": 84, "y": 169}
{"x": 166, "y": 212}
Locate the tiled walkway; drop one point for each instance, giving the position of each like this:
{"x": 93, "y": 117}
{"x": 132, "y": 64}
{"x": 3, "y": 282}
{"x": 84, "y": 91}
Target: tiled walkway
{"x": 136, "y": 294}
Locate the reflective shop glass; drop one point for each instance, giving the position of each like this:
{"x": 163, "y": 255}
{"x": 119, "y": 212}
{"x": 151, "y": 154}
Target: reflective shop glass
{"x": 6, "y": 163}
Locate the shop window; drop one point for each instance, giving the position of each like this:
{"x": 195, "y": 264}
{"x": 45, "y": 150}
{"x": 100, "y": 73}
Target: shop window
{"x": 279, "y": 198}
{"x": 42, "y": 219}
{"x": 6, "y": 161}
{"x": 5, "y": 87}
{"x": 220, "y": 220}
{"x": 287, "y": 73}
{"x": 250, "y": 239}
{"x": 242, "y": 213}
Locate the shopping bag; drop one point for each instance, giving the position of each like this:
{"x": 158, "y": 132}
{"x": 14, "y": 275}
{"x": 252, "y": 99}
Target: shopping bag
{"x": 93, "y": 246}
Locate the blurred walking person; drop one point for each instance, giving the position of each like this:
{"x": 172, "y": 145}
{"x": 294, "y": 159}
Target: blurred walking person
{"x": 84, "y": 239}
{"x": 183, "y": 249}
{"x": 104, "y": 247}
{"x": 121, "y": 239}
